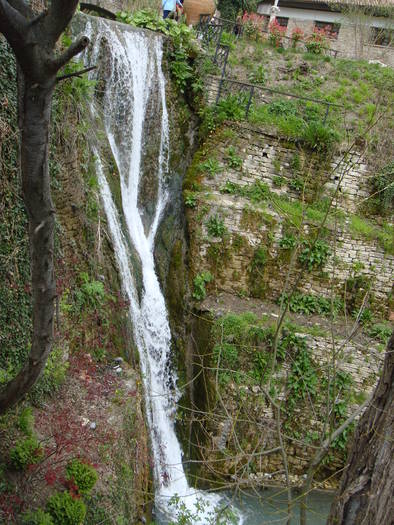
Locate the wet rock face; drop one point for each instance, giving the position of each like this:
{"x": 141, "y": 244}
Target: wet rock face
{"x": 150, "y": 161}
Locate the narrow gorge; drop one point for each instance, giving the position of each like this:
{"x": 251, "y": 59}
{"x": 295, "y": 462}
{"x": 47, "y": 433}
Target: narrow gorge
{"x": 224, "y": 273}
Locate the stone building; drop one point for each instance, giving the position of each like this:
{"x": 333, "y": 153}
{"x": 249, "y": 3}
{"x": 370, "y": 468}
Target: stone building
{"x": 358, "y": 28}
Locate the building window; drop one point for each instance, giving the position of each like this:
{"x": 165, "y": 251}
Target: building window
{"x": 282, "y": 21}
{"x": 331, "y": 29}
{"x": 382, "y": 37}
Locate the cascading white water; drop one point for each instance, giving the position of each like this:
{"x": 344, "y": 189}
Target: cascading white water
{"x": 134, "y": 78}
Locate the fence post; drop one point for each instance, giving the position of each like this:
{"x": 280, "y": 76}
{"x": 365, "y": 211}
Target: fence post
{"x": 326, "y": 114}
{"x": 219, "y": 90}
{"x": 251, "y": 93}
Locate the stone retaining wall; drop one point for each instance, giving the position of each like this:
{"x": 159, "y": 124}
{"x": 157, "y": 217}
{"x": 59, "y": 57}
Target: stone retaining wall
{"x": 266, "y": 158}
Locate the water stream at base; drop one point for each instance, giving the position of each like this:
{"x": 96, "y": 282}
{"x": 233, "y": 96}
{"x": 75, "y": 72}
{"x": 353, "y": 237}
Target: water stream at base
{"x": 134, "y": 91}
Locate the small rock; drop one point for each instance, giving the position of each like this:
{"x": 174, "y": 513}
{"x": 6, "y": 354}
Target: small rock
{"x": 93, "y": 425}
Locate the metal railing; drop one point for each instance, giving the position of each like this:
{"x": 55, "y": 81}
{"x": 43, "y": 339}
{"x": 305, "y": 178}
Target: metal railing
{"x": 247, "y": 92}
{"x": 211, "y": 28}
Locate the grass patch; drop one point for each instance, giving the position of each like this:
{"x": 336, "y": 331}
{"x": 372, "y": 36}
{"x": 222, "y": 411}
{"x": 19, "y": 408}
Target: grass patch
{"x": 384, "y": 235}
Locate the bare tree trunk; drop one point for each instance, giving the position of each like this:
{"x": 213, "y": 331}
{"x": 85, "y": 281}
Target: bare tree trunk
{"x": 33, "y": 39}
{"x": 366, "y": 494}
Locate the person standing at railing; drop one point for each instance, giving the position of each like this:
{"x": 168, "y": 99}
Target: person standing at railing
{"x": 169, "y": 8}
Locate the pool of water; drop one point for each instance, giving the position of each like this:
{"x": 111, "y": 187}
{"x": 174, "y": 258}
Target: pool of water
{"x": 269, "y": 506}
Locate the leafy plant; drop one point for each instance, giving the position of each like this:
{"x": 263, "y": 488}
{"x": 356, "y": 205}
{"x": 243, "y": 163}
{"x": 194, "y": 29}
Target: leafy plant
{"x": 258, "y": 75}
{"x": 199, "y": 283}
{"x": 317, "y": 42}
{"x": 211, "y": 166}
{"x": 215, "y": 226}
{"x": 381, "y": 331}
{"x": 314, "y": 255}
{"x": 311, "y": 304}
{"x": 66, "y": 510}
{"x": 276, "y": 33}
{"x": 26, "y": 452}
{"x": 180, "y": 69}
{"x": 233, "y": 160}
{"x": 297, "y": 35}
{"x": 288, "y": 242}
{"x": 320, "y": 137}
{"x": 302, "y": 379}
{"x": 382, "y": 189}
{"x": 39, "y": 517}
{"x": 26, "y": 421}
{"x": 190, "y": 199}
{"x": 297, "y": 184}
{"x": 91, "y": 293}
{"x": 81, "y": 475}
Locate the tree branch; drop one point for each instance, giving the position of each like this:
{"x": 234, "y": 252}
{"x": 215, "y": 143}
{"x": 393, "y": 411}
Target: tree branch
{"x": 74, "y": 49}
{"x": 76, "y": 74}
{"x": 22, "y": 7}
{"x": 59, "y": 16}
{"x": 13, "y": 25}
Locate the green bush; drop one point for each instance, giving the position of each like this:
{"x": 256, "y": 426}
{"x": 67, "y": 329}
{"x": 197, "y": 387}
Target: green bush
{"x": 53, "y": 376}
{"x": 311, "y": 304}
{"x": 26, "y": 452}
{"x": 26, "y": 421}
{"x": 383, "y": 189}
{"x": 199, "y": 282}
{"x": 66, "y": 510}
{"x": 83, "y": 476}
{"x": 39, "y": 517}
{"x": 258, "y": 76}
{"x": 319, "y": 137}
{"x": 215, "y": 226}
{"x": 314, "y": 255}
{"x": 381, "y": 331}
{"x": 91, "y": 293}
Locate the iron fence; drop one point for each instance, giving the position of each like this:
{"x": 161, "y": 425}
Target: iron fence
{"x": 246, "y": 93}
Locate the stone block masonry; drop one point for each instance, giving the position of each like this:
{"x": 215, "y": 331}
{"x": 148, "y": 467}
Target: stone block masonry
{"x": 268, "y": 159}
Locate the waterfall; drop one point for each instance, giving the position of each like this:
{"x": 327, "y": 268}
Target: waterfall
{"x": 133, "y": 91}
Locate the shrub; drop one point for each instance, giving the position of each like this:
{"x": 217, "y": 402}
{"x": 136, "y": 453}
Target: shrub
{"x": 210, "y": 166}
{"x": 215, "y": 226}
{"x": 190, "y": 199}
{"x": 233, "y": 160}
{"x": 231, "y": 108}
{"x": 258, "y": 76}
{"x": 276, "y": 33}
{"x": 39, "y": 517}
{"x": 253, "y": 24}
{"x": 66, "y": 510}
{"x": 83, "y": 476}
{"x": 315, "y": 255}
{"x": 320, "y": 137}
{"x": 383, "y": 189}
{"x": 26, "y": 452}
{"x": 199, "y": 283}
{"x": 91, "y": 293}
{"x": 380, "y": 331}
{"x": 26, "y": 421}
{"x": 296, "y": 35}
{"x": 317, "y": 42}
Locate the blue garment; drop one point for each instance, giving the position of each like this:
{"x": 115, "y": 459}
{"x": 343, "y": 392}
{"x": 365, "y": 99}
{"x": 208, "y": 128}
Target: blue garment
{"x": 169, "y": 5}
